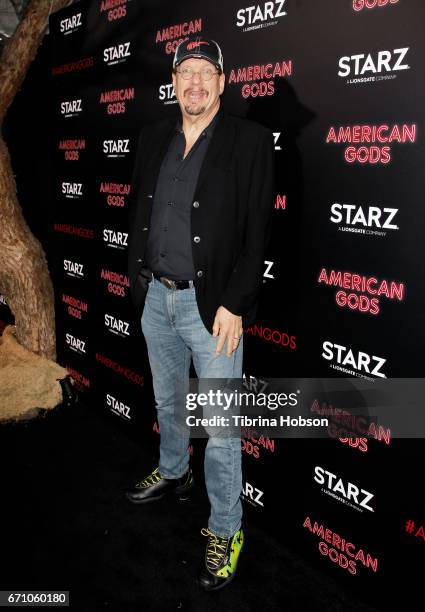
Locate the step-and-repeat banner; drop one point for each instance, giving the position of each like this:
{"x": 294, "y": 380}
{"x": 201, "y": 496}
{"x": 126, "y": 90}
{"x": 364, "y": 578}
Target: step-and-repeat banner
{"x": 340, "y": 84}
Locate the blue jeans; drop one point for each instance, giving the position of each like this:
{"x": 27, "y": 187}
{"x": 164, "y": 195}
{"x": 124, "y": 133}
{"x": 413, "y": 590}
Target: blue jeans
{"x": 175, "y": 333}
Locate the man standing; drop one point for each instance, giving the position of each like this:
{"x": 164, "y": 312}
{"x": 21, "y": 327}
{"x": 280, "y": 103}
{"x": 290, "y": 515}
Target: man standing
{"x": 201, "y": 201}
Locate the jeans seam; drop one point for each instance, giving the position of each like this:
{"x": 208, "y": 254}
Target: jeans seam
{"x": 231, "y": 487}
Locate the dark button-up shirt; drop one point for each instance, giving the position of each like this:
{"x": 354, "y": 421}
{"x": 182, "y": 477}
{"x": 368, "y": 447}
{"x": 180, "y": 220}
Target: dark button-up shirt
{"x": 169, "y": 245}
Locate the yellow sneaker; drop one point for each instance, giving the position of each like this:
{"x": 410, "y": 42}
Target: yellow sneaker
{"x": 221, "y": 559}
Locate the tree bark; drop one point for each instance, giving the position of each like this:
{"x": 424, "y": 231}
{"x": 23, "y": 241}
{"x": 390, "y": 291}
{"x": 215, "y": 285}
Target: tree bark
{"x": 24, "y": 276}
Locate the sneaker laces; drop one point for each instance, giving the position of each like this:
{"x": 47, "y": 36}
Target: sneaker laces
{"x": 216, "y": 548}
{"x": 149, "y": 480}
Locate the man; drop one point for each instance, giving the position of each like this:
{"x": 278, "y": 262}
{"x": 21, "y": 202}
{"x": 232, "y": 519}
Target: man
{"x": 199, "y": 217}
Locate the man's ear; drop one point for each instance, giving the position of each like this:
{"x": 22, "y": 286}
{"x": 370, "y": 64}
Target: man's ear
{"x": 222, "y": 82}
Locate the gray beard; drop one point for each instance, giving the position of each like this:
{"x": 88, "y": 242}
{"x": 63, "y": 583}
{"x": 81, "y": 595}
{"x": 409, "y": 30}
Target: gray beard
{"x": 199, "y": 111}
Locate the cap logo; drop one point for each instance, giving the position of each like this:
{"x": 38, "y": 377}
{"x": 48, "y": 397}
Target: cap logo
{"x": 195, "y": 43}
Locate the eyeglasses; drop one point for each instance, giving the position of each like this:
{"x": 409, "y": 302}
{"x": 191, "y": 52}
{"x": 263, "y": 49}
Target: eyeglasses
{"x": 206, "y": 73}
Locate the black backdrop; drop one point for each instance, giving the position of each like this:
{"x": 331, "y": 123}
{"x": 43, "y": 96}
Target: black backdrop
{"x": 339, "y": 77}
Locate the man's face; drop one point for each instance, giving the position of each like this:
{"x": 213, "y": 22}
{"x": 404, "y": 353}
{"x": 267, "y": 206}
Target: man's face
{"x": 196, "y": 95}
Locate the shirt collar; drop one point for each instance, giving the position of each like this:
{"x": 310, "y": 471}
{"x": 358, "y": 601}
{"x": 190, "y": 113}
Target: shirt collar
{"x": 208, "y": 131}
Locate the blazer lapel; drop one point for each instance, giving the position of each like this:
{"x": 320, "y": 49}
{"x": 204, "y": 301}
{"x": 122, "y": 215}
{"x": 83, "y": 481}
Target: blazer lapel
{"x": 217, "y": 150}
{"x": 163, "y": 141}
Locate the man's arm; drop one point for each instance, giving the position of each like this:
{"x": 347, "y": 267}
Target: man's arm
{"x": 245, "y": 281}
{"x": 135, "y": 181}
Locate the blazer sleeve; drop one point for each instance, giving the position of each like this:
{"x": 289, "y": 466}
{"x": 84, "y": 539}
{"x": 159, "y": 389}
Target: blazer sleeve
{"x": 135, "y": 180}
{"x": 245, "y": 281}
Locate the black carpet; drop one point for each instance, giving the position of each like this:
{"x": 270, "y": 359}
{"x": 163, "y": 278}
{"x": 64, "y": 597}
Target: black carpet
{"x": 67, "y": 526}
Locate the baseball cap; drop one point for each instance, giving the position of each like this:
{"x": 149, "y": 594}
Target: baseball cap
{"x": 199, "y": 47}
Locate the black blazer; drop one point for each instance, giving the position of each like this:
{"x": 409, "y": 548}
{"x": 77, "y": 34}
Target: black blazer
{"x": 231, "y": 213}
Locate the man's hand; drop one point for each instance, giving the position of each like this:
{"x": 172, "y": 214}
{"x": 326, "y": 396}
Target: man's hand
{"x": 227, "y": 326}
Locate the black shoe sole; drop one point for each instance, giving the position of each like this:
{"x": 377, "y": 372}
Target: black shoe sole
{"x": 182, "y": 493}
{"x": 146, "y": 500}
{"x": 219, "y": 586}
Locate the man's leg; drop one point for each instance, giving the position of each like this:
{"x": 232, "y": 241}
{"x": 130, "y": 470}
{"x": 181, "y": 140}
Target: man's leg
{"x": 169, "y": 359}
{"x": 223, "y": 460}
{"x": 223, "y": 455}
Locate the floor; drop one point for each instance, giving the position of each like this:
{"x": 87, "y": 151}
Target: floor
{"x": 67, "y": 525}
